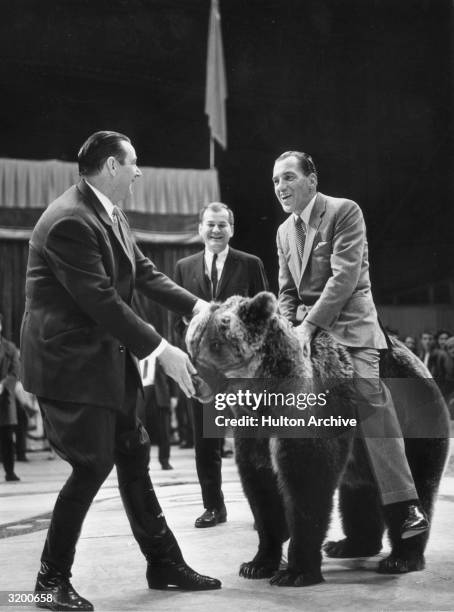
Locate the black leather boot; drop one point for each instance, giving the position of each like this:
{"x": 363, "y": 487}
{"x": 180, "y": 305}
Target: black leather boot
{"x": 51, "y": 582}
{"x": 166, "y": 566}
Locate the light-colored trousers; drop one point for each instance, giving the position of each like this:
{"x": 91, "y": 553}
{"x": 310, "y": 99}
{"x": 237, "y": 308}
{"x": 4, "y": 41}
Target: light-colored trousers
{"x": 381, "y": 430}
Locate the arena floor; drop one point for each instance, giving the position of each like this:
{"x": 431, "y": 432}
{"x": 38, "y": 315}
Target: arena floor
{"x": 110, "y": 570}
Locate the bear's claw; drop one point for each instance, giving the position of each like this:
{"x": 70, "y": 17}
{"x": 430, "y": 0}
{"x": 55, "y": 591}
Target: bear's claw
{"x": 287, "y": 578}
{"x": 398, "y": 565}
{"x": 254, "y": 570}
{"x": 345, "y": 549}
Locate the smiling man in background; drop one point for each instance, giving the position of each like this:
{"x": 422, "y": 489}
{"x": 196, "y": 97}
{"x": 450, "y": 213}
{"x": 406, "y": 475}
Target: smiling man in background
{"x": 216, "y": 273}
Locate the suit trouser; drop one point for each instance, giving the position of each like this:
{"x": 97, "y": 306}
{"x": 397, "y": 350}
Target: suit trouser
{"x": 7, "y": 447}
{"x": 381, "y": 430}
{"x": 208, "y": 462}
{"x": 92, "y": 439}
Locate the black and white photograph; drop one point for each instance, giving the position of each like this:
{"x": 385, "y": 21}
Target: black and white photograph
{"x": 227, "y": 305}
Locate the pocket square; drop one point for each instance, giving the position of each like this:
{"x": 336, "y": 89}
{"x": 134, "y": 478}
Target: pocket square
{"x": 320, "y": 244}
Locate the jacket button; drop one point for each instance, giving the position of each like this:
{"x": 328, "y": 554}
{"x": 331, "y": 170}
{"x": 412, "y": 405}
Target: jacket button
{"x": 122, "y": 348}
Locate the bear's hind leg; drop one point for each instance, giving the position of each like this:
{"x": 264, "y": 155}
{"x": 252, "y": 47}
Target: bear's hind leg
{"x": 261, "y": 489}
{"x": 362, "y": 522}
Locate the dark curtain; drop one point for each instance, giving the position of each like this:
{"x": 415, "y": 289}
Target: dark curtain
{"x": 13, "y": 264}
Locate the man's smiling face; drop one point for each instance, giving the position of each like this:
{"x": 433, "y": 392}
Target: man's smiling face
{"x": 293, "y": 188}
{"x": 216, "y": 230}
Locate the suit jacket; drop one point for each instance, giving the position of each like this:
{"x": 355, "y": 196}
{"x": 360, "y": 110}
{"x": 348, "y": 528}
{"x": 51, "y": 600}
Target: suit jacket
{"x": 243, "y": 274}
{"x": 9, "y": 373}
{"x": 331, "y": 285}
{"x": 79, "y": 328}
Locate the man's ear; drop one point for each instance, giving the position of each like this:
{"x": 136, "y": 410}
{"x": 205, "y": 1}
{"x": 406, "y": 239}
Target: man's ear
{"x": 259, "y": 309}
{"x": 313, "y": 179}
{"x": 111, "y": 165}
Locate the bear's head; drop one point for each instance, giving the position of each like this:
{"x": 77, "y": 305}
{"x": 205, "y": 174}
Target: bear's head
{"x": 244, "y": 338}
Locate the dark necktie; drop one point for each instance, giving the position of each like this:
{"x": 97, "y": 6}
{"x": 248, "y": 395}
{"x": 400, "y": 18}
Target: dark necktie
{"x": 300, "y": 236}
{"x": 214, "y": 275}
{"x": 116, "y": 224}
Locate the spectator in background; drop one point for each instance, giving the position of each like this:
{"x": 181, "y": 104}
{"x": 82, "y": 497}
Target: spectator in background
{"x": 449, "y": 395}
{"x": 426, "y": 348}
{"x": 410, "y": 343}
{"x": 215, "y": 273}
{"x": 9, "y": 373}
{"x": 154, "y": 408}
{"x": 441, "y": 337}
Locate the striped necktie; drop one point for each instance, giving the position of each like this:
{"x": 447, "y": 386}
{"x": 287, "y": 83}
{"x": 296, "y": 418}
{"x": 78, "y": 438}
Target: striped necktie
{"x": 300, "y": 236}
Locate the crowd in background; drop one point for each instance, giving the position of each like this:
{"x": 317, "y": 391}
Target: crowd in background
{"x": 165, "y": 411}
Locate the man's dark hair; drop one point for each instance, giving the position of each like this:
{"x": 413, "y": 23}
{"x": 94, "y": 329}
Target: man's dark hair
{"x": 442, "y": 331}
{"x": 1, "y": 318}
{"x": 305, "y": 161}
{"x": 217, "y": 207}
{"x": 97, "y": 148}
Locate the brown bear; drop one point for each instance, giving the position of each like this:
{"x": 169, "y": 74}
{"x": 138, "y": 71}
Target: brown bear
{"x": 290, "y": 481}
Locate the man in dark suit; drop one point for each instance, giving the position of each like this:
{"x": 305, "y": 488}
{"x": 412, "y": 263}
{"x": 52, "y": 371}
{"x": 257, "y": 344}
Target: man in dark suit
{"x": 80, "y": 341}
{"x": 324, "y": 284}
{"x": 216, "y": 273}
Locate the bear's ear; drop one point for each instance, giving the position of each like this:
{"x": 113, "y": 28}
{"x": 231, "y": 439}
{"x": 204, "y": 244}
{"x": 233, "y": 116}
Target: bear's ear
{"x": 258, "y": 309}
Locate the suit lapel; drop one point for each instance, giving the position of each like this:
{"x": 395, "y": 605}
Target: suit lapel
{"x": 228, "y": 272}
{"x": 199, "y": 276}
{"x": 93, "y": 201}
{"x": 314, "y": 222}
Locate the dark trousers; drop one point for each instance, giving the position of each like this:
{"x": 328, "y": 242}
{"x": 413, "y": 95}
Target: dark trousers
{"x": 208, "y": 462}
{"x": 93, "y": 439}
{"x": 7, "y": 447}
{"x": 157, "y": 422}
{"x": 21, "y": 431}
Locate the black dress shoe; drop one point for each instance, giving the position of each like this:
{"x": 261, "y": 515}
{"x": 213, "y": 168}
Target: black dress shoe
{"x": 167, "y": 568}
{"x": 179, "y": 575}
{"x": 210, "y": 518}
{"x": 12, "y": 477}
{"x": 415, "y": 522}
{"x": 165, "y": 465}
{"x": 64, "y": 596}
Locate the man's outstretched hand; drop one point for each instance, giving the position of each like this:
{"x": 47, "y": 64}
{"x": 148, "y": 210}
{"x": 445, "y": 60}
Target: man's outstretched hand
{"x": 178, "y": 366}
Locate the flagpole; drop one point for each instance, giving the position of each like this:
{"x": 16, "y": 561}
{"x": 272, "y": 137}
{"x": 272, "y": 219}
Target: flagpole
{"x": 211, "y": 152}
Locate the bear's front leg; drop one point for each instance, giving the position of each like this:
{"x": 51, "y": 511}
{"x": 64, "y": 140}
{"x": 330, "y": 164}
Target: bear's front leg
{"x": 308, "y": 471}
{"x": 260, "y": 486}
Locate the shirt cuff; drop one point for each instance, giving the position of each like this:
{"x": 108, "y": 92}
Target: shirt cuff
{"x": 160, "y": 348}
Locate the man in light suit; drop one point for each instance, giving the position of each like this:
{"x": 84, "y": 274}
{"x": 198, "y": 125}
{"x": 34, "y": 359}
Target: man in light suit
{"x": 324, "y": 284}
{"x": 216, "y": 273}
{"x": 80, "y": 343}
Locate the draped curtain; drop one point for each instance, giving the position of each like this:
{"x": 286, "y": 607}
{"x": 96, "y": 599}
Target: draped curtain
{"x": 163, "y": 214}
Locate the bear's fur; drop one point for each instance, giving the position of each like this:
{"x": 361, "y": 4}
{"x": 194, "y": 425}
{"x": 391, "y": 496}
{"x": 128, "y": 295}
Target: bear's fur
{"x": 290, "y": 482}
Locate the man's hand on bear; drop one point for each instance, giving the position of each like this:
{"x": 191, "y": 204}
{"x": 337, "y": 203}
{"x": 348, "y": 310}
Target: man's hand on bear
{"x": 178, "y": 366}
{"x": 305, "y": 332}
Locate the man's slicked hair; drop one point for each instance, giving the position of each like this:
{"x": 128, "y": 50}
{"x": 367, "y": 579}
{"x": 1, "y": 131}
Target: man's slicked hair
{"x": 98, "y": 148}
{"x": 305, "y": 161}
{"x": 217, "y": 207}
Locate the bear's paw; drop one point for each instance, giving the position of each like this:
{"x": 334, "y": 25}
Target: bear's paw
{"x": 398, "y": 565}
{"x": 286, "y": 577}
{"x": 346, "y": 549}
